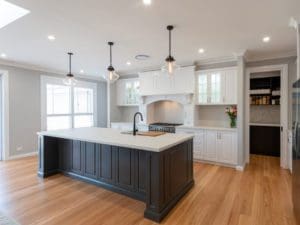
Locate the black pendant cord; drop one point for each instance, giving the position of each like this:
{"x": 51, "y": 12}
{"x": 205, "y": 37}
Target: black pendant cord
{"x": 110, "y": 54}
{"x": 70, "y": 64}
{"x": 170, "y": 44}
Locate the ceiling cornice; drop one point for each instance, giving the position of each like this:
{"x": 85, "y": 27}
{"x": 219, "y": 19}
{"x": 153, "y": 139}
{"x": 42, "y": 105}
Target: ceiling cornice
{"x": 44, "y": 70}
{"x": 280, "y": 55}
{"x": 210, "y": 61}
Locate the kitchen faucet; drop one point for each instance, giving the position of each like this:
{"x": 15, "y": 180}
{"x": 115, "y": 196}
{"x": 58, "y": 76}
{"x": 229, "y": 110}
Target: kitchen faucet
{"x": 134, "y": 125}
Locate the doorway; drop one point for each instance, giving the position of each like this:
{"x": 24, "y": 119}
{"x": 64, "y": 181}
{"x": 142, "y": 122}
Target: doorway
{"x": 267, "y": 112}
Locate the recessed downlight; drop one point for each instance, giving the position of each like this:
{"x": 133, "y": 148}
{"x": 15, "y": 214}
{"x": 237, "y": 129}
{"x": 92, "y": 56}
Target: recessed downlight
{"x": 128, "y": 63}
{"x": 147, "y": 2}
{"x": 51, "y": 37}
{"x": 201, "y": 50}
{"x": 3, "y": 55}
{"x": 266, "y": 39}
{"x": 81, "y": 71}
{"x": 142, "y": 57}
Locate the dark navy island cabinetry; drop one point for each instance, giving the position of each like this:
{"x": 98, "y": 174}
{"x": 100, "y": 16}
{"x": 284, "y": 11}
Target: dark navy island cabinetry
{"x": 159, "y": 179}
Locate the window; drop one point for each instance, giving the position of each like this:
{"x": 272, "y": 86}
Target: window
{"x": 65, "y": 107}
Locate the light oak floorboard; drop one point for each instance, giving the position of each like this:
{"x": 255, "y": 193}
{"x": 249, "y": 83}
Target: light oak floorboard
{"x": 261, "y": 195}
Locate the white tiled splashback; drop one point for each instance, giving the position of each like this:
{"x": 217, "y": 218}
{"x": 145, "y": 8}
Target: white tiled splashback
{"x": 269, "y": 114}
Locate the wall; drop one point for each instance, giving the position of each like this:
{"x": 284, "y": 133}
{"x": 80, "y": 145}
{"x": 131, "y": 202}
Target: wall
{"x": 292, "y": 67}
{"x": 212, "y": 116}
{"x": 25, "y": 108}
{"x": 166, "y": 112}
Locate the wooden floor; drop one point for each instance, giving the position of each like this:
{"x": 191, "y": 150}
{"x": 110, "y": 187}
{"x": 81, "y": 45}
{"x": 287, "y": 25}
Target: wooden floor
{"x": 258, "y": 196}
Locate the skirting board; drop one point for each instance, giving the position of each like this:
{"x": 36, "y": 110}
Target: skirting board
{"x": 239, "y": 168}
{"x": 22, "y": 155}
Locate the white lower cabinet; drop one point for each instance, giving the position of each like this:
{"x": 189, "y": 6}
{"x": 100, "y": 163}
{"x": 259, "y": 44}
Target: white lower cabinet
{"x": 227, "y": 147}
{"x": 210, "y": 151}
{"x": 214, "y": 145}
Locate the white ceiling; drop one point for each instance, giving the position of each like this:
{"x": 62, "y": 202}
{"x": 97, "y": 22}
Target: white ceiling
{"x": 221, "y": 27}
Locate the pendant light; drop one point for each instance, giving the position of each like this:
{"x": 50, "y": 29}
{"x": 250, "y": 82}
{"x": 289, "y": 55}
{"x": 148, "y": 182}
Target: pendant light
{"x": 171, "y": 65}
{"x": 70, "y": 80}
{"x": 112, "y": 76}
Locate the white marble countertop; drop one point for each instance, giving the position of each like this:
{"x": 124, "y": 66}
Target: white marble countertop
{"x": 207, "y": 128}
{"x": 114, "y": 137}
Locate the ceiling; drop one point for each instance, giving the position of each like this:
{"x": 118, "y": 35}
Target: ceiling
{"x": 85, "y": 26}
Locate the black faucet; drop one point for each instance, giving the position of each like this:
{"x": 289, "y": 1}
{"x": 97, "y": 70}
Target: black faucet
{"x": 134, "y": 125}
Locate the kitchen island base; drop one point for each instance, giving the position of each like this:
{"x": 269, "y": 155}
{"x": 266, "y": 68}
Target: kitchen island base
{"x": 159, "y": 179}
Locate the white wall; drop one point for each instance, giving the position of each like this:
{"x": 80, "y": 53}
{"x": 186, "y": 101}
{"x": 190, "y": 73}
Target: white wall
{"x": 25, "y": 108}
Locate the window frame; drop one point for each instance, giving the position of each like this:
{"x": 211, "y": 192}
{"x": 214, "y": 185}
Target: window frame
{"x": 59, "y": 81}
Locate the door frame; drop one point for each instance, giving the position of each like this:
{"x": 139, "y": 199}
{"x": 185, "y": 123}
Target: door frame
{"x": 284, "y": 93}
{"x": 5, "y": 114}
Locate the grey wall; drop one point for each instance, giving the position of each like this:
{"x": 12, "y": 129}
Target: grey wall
{"x": 25, "y": 108}
{"x": 292, "y": 67}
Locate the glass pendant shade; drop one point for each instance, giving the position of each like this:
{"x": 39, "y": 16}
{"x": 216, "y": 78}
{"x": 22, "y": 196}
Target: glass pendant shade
{"x": 170, "y": 67}
{"x": 70, "y": 80}
{"x": 111, "y": 77}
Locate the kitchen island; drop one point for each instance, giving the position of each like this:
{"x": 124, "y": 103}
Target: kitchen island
{"x": 156, "y": 170}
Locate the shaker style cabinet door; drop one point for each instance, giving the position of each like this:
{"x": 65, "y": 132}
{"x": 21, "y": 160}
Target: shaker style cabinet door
{"x": 227, "y": 147}
{"x": 128, "y": 92}
{"x": 210, "y": 150}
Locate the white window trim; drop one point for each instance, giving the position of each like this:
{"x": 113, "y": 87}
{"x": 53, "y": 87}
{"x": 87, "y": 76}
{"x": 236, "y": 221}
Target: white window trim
{"x": 59, "y": 81}
{"x": 5, "y": 115}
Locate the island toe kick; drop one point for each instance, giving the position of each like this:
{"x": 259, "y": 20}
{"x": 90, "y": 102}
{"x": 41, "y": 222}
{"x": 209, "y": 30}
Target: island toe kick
{"x": 159, "y": 179}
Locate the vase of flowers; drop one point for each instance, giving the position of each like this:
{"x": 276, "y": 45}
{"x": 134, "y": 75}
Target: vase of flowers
{"x": 232, "y": 113}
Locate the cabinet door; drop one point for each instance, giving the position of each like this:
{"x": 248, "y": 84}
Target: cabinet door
{"x": 210, "y": 150}
{"x": 184, "y": 81}
{"x": 163, "y": 83}
{"x": 120, "y": 85}
{"x": 230, "y": 87}
{"x": 146, "y": 83}
{"x": 227, "y": 147}
{"x": 215, "y": 90}
{"x": 199, "y": 145}
{"x": 202, "y": 89}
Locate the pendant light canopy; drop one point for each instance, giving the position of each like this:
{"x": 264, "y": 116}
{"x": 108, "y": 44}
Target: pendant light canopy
{"x": 70, "y": 80}
{"x": 170, "y": 65}
{"x": 112, "y": 76}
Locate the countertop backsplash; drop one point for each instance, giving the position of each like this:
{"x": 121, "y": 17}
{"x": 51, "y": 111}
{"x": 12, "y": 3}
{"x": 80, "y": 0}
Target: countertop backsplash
{"x": 268, "y": 114}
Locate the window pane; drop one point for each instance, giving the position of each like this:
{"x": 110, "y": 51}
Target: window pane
{"x": 58, "y": 99}
{"x": 83, "y": 100}
{"x": 58, "y": 122}
{"x": 83, "y": 121}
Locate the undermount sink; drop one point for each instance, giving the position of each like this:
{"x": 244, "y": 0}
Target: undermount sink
{"x": 145, "y": 133}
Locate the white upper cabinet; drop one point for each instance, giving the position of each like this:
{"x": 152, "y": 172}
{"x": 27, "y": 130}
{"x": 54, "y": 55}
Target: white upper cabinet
{"x": 128, "y": 92}
{"x": 159, "y": 83}
{"x": 217, "y": 87}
